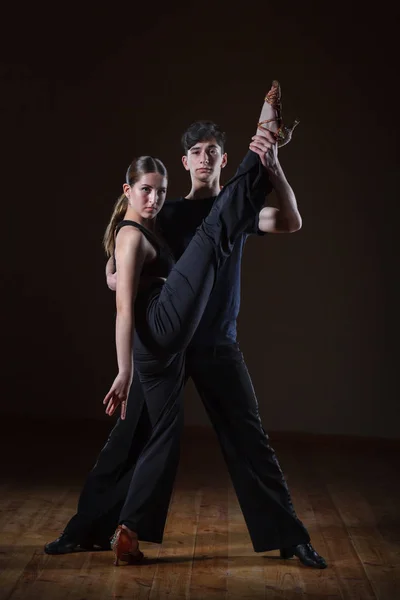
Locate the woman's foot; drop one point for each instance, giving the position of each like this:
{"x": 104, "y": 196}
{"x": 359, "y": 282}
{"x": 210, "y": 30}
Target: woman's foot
{"x": 125, "y": 545}
{"x": 271, "y": 116}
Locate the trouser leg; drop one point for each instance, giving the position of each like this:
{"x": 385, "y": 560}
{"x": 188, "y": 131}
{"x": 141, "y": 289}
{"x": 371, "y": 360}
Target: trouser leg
{"x": 147, "y": 501}
{"x": 107, "y": 484}
{"x": 225, "y": 387}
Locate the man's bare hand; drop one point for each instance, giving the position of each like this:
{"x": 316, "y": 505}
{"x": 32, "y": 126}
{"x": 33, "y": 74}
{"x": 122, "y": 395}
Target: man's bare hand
{"x": 264, "y": 144}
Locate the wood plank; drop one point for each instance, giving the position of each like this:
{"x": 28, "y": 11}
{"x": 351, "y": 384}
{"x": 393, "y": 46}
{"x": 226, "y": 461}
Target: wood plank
{"x": 380, "y": 561}
{"x": 173, "y": 572}
{"x": 21, "y": 542}
{"x": 341, "y": 553}
{"x": 245, "y": 567}
{"x": 210, "y": 560}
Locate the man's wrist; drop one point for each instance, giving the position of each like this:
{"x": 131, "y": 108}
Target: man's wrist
{"x": 275, "y": 170}
{"x": 276, "y": 176}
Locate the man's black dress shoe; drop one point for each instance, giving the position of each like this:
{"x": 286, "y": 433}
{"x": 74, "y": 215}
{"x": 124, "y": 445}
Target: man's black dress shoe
{"x": 65, "y": 545}
{"x": 62, "y": 545}
{"x": 306, "y": 554}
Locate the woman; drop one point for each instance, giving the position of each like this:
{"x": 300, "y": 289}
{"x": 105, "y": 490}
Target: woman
{"x": 158, "y": 310}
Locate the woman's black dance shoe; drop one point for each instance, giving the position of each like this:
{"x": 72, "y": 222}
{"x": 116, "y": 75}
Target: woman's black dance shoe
{"x": 65, "y": 545}
{"x": 306, "y": 554}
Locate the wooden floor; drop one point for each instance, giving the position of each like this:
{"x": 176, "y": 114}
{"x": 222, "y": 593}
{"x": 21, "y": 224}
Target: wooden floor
{"x": 347, "y": 492}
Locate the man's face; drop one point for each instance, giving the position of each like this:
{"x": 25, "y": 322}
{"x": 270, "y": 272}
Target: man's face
{"x": 205, "y": 160}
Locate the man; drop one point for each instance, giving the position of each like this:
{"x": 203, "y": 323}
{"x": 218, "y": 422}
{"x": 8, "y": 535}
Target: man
{"x": 217, "y": 368}
{"x": 214, "y": 360}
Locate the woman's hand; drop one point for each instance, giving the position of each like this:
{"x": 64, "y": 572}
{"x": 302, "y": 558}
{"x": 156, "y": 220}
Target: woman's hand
{"x": 118, "y": 394}
{"x": 112, "y": 281}
{"x": 265, "y": 145}
{"x": 111, "y": 274}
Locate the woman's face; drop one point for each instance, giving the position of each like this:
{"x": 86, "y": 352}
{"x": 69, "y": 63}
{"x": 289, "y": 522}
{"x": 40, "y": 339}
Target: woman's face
{"x": 147, "y": 195}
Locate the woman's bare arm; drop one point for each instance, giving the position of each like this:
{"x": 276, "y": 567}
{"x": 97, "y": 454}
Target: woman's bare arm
{"x": 130, "y": 254}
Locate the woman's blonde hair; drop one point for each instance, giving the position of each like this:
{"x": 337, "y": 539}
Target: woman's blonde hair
{"x": 138, "y": 167}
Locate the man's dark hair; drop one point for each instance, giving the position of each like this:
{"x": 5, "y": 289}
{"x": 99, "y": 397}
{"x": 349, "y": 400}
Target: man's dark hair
{"x": 202, "y": 131}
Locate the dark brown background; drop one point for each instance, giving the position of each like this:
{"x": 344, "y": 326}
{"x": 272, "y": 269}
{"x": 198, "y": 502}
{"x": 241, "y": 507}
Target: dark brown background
{"x": 83, "y": 91}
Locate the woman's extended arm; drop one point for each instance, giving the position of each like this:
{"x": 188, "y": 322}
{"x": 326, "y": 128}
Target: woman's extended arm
{"x": 130, "y": 253}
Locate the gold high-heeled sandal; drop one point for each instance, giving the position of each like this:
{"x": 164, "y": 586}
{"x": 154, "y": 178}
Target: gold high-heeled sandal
{"x": 125, "y": 545}
{"x": 284, "y": 133}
